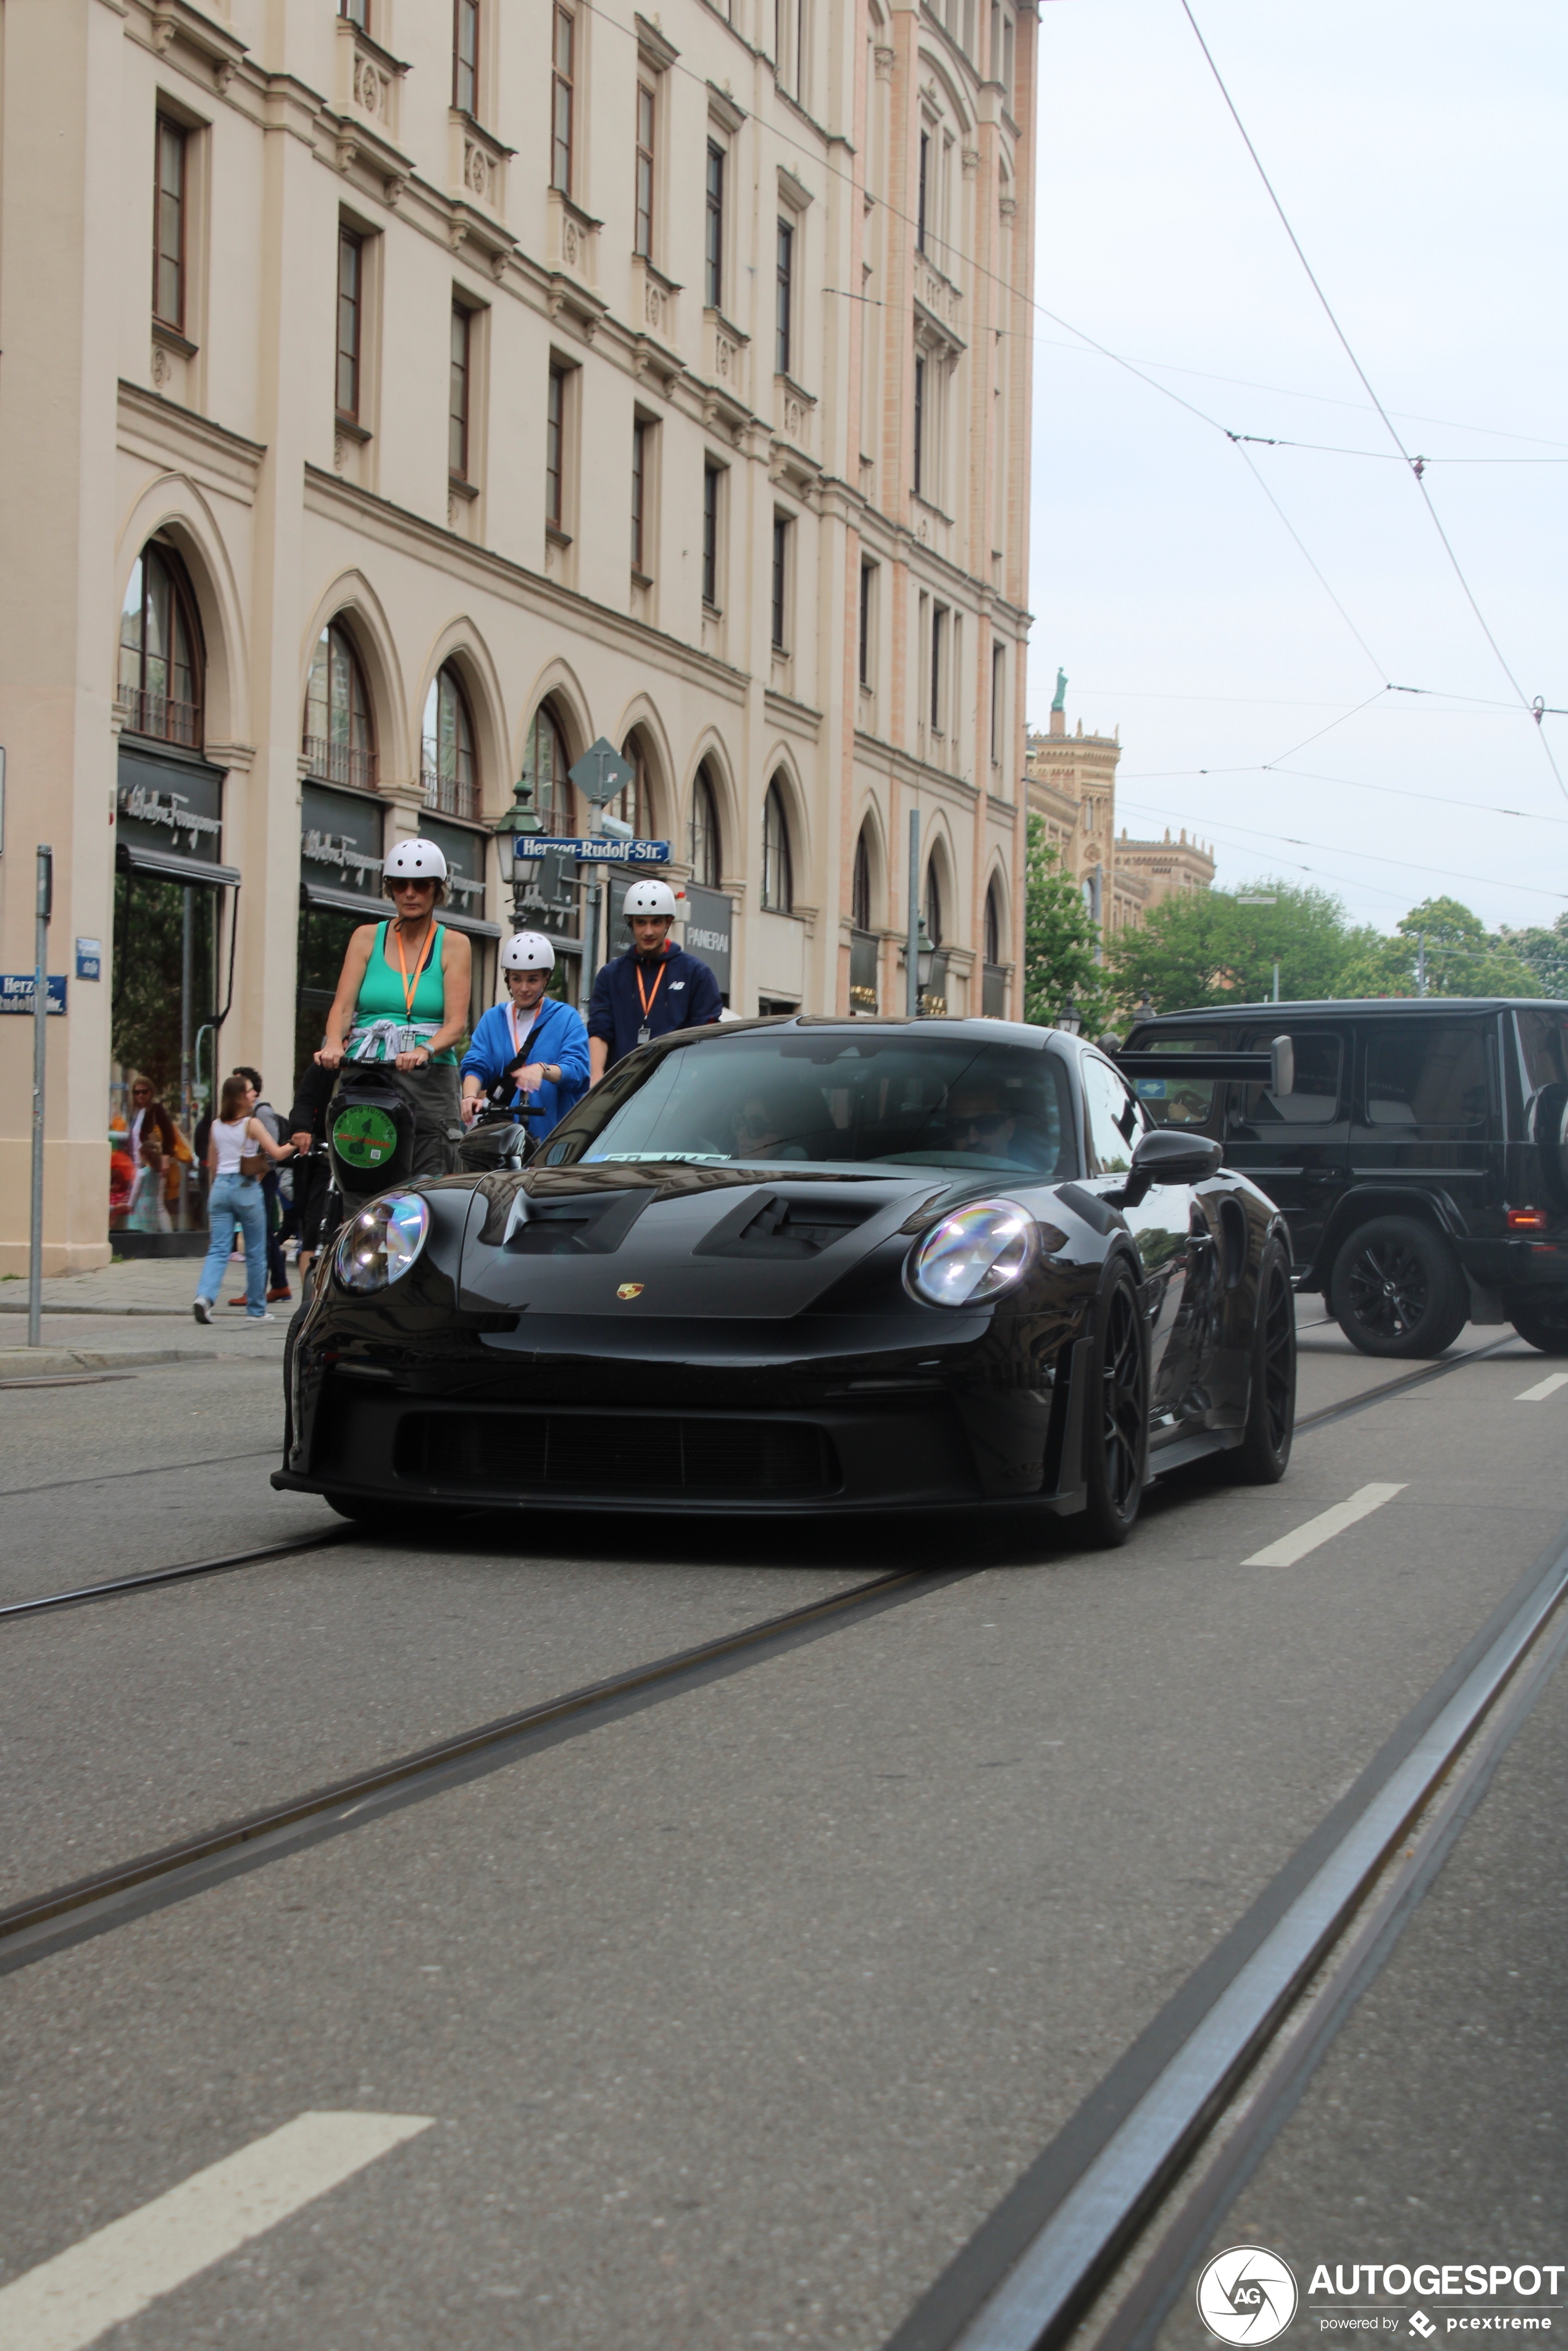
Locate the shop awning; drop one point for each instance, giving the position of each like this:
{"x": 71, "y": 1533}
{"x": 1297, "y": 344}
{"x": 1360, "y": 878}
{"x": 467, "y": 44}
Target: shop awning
{"x": 328, "y": 901}
{"x": 170, "y": 866}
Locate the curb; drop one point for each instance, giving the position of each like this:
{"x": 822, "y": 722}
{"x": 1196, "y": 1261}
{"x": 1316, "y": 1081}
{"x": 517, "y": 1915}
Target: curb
{"x": 22, "y": 1364}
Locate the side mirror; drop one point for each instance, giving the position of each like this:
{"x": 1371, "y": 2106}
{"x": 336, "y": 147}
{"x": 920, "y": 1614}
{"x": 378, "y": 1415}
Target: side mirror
{"x": 1283, "y": 1051}
{"x": 1168, "y": 1155}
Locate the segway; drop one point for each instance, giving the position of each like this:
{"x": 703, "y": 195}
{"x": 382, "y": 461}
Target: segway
{"x": 369, "y": 1144}
{"x": 499, "y": 1137}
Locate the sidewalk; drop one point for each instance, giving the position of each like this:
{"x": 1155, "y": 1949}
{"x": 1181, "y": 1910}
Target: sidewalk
{"x": 132, "y": 1315}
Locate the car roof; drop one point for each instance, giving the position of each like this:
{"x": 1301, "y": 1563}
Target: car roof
{"x": 1398, "y": 1007}
{"x": 978, "y": 1029}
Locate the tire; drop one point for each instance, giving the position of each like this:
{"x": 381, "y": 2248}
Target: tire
{"x": 1116, "y": 1415}
{"x": 1264, "y": 1453}
{"x": 1545, "y": 1324}
{"x": 405, "y": 1522}
{"x": 1397, "y": 1288}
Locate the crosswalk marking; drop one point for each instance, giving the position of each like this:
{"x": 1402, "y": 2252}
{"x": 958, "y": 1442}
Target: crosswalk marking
{"x": 67, "y": 2303}
{"x": 1296, "y": 1545}
{"x": 1542, "y": 1388}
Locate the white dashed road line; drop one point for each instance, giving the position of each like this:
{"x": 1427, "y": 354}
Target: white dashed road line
{"x": 1542, "y": 1389}
{"x": 67, "y": 2303}
{"x": 1292, "y": 1547}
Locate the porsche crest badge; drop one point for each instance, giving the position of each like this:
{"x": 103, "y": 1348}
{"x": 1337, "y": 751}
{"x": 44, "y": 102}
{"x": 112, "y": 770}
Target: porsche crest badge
{"x": 630, "y": 1290}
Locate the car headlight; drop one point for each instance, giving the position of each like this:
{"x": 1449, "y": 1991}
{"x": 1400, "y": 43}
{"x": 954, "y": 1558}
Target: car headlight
{"x": 382, "y": 1241}
{"x": 972, "y": 1255}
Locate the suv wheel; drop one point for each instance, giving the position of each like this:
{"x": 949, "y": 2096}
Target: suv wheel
{"x": 1544, "y": 1324}
{"x": 1397, "y": 1288}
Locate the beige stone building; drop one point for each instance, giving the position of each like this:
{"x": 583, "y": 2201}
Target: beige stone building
{"x": 396, "y": 400}
{"x": 1071, "y": 785}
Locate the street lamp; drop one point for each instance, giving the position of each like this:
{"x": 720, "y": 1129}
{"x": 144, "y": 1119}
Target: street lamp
{"x": 924, "y": 956}
{"x": 1070, "y": 1020}
{"x": 516, "y": 827}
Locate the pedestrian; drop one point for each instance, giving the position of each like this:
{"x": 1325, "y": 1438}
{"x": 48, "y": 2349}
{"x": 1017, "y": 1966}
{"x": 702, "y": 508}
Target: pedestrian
{"x": 402, "y": 1001}
{"x": 276, "y": 1268}
{"x": 239, "y": 1149}
{"x": 536, "y": 1041}
{"x": 652, "y": 989}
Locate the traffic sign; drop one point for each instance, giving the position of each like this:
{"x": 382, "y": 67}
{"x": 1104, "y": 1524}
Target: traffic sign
{"x": 593, "y": 849}
{"x": 601, "y": 772}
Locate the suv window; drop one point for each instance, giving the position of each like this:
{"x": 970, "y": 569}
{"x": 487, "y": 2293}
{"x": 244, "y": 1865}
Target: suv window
{"x": 1544, "y": 1039}
{"x": 1313, "y": 1101}
{"x": 1178, "y": 1101}
{"x": 1114, "y": 1120}
{"x": 1425, "y": 1073}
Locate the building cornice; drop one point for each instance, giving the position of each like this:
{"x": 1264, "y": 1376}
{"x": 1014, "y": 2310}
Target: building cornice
{"x": 181, "y": 432}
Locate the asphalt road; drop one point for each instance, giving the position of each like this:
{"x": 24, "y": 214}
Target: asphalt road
{"x": 727, "y": 2022}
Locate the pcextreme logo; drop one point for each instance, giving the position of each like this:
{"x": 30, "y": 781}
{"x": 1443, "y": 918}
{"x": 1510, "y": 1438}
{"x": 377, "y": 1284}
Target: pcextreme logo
{"x": 1247, "y": 2295}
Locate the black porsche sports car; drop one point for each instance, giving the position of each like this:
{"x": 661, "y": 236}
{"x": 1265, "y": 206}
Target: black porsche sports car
{"x": 808, "y": 1265}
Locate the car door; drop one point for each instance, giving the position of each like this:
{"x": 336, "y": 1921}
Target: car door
{"x": 1296, "y": 1146}
{"x": 1426, "y": 1099}
{"x": 1163, "y": 1229}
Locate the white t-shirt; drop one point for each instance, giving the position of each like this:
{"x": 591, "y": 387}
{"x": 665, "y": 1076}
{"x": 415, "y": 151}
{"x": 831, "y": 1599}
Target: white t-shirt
{"x": 230, "y": 1140}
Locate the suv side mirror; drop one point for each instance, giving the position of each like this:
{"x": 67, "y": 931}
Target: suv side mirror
{"x": 1167, "y": 1155}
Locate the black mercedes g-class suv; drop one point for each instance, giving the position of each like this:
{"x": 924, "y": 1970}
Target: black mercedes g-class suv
{"x": 1421, "y": 1158}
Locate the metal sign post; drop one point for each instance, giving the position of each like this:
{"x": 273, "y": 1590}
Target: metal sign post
{"x": 40, "y": 1064}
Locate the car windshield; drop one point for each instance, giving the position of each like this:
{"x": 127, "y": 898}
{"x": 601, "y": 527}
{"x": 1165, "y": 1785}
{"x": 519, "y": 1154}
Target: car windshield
{"x": 773, "y": 1097}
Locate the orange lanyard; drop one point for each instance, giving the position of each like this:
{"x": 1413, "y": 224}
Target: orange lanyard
{"x": 410, "y": 987}
{"x": 647, "y": 1001}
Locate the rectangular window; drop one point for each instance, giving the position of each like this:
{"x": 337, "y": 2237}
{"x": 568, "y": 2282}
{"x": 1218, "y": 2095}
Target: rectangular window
{"x": 644, "y": 229}
{"x": 457, "y": 406}
{"x": 1422, "y": 1074}
{"x": 168, "y": 230}
{"x": 922, "y": 192}
{"x": 867, "y": 573}
{"x": 938, "y": 672}
{"x": 562, "y": 89}
{"x": 466, "y": 57}
{"x": 919, "y": 420}
{"x": 999, "y": 684}
{"x": 712, "y": 475}
{"x": 350, "y": 320}
{"x": 642, "y": 433}
{"x": 714, "y": 252}
{"x": 781, "y": 577}
{"x": 555, "y": 451}
{"x": 784, "y": 298}
{"x": 1313, "y": 1099}
{"x": 358, "y": 12}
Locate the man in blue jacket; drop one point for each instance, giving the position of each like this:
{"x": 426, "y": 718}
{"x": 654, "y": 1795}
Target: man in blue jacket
{"x": 652, "y": 989}
{"x": 534, "y": 1039}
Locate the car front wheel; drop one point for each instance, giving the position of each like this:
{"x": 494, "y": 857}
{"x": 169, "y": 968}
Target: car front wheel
{"x": 1116, "y": 1415}
{"x": 1397, "y": 1288}
{"x": 1264, "y": 1451}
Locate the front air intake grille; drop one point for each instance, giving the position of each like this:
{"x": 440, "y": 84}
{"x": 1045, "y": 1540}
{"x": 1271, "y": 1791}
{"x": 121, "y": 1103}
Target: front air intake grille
{"x": 614, "y": 1453}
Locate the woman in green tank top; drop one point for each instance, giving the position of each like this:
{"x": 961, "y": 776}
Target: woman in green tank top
{"x": 402, "y": 1001}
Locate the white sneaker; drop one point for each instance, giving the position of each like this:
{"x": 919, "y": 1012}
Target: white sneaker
{"x": 261, "y": 1318}
{"x": 203, "y": 1309}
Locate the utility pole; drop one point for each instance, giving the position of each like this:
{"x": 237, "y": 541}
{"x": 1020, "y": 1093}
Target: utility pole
{"x": 1276, "y": 980}
{"x": 912, "y": 943}
{"x": 1421, "y": 965}
{"x": 40, "y": 1064}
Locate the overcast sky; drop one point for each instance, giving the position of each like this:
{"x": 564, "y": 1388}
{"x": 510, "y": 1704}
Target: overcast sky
{"x": 1418, "y": 150}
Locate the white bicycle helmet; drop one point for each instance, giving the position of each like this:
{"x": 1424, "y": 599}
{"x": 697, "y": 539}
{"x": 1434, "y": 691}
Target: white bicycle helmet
{"x": 415, "y": 860}
{"x": 648, "y": 898}
{"x": 528, "y": 951}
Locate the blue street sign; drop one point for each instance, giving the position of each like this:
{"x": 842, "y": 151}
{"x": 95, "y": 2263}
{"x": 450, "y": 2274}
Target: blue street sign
{"x": 17, "y": 991}
{"x": 593, "y": 849}
{"x": 90, "y": 959}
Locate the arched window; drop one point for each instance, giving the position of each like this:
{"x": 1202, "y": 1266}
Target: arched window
{"x": 778, "y": 884}
{"x": 860, "y": 894}
{"x": 545, "y": 768}
{"x": 448, "y": 768}
{"x": 630, "y": 804}
{"x": 706, "y": 864}
{"x": 993, "y": 926}
{"x": 933, "y": 905}
{"x": 339, "y": 733}
{"x": 160, "y": 686}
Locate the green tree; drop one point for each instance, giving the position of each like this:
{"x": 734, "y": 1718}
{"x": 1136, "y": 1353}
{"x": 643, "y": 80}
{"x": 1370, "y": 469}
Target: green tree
{"x": 1060, "y": 938}
{"x": 1544, "y": 955}
{"x": 1210, "y": 946}
{"x": 1459, "y": 959}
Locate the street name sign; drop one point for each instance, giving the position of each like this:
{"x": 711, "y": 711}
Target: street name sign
{"x": 593, "y": 849}
{"x": 17, "y": 991}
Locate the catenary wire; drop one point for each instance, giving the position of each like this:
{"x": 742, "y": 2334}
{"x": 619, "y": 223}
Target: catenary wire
{"x": 1350, "y": 783}
{"x": 1337, "y": 848}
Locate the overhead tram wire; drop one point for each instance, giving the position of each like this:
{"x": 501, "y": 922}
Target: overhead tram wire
{"x": 1350, "y": 783}
{"x": 1414, "y": 465}
{"x": 1336, "y": 849}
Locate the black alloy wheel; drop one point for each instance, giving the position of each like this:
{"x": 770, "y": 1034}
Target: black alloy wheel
{"x": 1397, "y": 1288}
{"x": 1116, "y": 1415}
{"x": 1543, "y": 1323}
{"x": 1261, "y": 1457}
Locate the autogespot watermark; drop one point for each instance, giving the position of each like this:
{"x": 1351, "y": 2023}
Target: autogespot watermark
{"x": 1248, "y": 2294}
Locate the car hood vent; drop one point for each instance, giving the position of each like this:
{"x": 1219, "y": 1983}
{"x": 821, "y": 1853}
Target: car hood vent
{"x": 785, "y": 1228}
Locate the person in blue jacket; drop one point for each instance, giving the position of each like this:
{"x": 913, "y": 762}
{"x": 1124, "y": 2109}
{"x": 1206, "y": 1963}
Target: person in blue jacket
{"x": 534, "y": 1039}
{"x": 652, "y": 989}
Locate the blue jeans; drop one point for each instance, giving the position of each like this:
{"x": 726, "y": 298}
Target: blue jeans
{"x": 237, "y": 1200}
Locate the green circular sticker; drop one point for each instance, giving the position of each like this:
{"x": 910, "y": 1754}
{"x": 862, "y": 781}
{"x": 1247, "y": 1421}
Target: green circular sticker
{"x": 364, "y": 1136}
